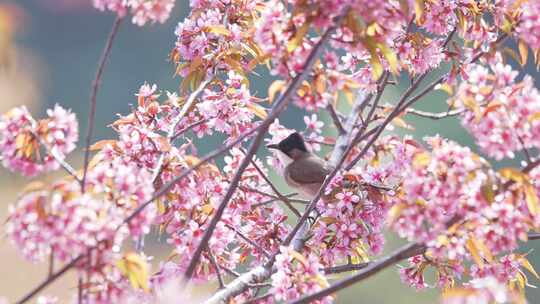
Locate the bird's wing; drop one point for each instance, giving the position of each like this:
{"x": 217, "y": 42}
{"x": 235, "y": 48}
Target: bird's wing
{"x": 309, "y": 170}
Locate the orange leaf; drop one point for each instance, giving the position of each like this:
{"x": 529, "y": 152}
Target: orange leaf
{"x": 257, "y": 110}
{"x": 275, "y": 87}
{"x": 514, "y": 174}
{"x": 532, "y": 199}
{"x": 523, "y": 52}
{"x": 135, "y": 268}
{"x": 219, "y": 30}
{"x": 102, "y": 144}
{"x": 421, "y": 159}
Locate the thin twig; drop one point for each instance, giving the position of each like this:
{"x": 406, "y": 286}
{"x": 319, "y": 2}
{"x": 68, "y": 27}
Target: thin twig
{"x": 431, "y": 115}
{"x": 80, "y": 290}
{"x": 63, "y": 164}
{"x": 281, "y": 197}
{"x": 188, "y": 127}
{"x": 272, "y": 197}
{"x": 335, "y": 118}
{"x": 174, "y": 124}
{"x": 51, "y": 264}
{"x": 93, "y": 95}
{"x": 216, "y": 266}
{"x": 249, "y": 241}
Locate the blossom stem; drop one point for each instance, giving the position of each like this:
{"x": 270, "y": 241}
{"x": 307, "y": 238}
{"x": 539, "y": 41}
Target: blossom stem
{"x": 93, "y": 96}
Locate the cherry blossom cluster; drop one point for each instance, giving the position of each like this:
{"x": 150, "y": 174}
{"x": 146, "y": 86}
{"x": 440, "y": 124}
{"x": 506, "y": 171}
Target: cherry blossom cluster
{"x": 418, "y": 53}
{"x": 461, "y": 210}
{"x": 214, "y": 37}
{"x": 192, "y": 203}
{"x": 62, "y": 220}
{"x": 502, "y": 113}
{"x": 353, "y": 210}
{"x": 487, "y": 290}
{"x": 528, "y": 28}
{"x": 143, "y": 11}
{"x": 229, "y": 109}
{"x": 29, "y": 146}
{"x": 297, "y": 275}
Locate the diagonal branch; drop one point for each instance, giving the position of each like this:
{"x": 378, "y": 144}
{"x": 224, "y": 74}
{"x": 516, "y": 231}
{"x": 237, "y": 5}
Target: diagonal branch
{"x": 405, "y": 252}
{"x": 93, "y": 95}
{"x": 278, "y": 107}
{"x": 344, "y": 268}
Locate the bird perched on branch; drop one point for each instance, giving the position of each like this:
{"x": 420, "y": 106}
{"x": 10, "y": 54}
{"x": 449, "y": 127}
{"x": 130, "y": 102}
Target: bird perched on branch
{"x": 304, "y": 171}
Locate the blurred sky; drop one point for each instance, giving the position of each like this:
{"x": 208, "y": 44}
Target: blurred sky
{"x": 56, "y": 49}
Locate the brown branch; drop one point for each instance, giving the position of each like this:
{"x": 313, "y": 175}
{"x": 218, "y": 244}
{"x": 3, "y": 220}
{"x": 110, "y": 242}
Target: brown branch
{"x": 259, "y": 298}
{"x": 278, "y": 107}
{"x": 533, "y": 236}
{"x": 51, "y": 264}
{"x": 93, "y": 95}
{"x": 344, "y": 268}
{"x": 50, "y": 279}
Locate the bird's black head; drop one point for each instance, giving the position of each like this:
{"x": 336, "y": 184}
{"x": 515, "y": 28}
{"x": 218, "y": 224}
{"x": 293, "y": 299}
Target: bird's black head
{"x": 292, "y": 145}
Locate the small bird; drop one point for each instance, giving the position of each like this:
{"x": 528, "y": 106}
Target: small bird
{"x": 304, "y": 171}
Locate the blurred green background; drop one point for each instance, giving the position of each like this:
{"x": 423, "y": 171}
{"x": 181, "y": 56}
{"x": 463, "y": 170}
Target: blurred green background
{"x": 50, "y": 49}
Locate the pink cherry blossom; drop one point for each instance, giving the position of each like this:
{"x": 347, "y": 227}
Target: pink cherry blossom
{"x": 22, "y": 139}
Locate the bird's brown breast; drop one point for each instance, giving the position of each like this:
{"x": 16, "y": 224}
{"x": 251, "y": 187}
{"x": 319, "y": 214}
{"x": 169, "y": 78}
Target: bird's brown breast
{"x": 307, "y": 174}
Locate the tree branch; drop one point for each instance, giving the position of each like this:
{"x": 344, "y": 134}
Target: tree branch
{"x": 344, "y": 268}
{"x": 93, "y": 96}
{"x": 405, "y": 252}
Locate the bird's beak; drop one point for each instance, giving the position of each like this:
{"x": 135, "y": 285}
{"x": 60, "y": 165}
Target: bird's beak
{"x": 272, "y": 146}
